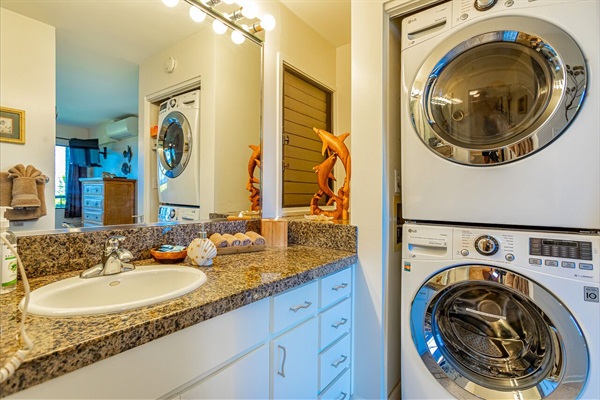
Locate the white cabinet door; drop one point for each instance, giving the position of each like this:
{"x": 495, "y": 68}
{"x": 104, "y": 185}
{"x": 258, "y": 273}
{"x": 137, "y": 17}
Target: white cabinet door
{"x": 246, "y": 378}
{"x": 294, "y": 362}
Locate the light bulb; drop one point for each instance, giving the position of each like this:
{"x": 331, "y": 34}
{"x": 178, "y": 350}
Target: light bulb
{"x": 170, "y": 3}
{"x": 196, "y": 14}
{"x": 237, "y": 37}
{"x": 219, "y": 27}
{"x": 267, "y": 22}
{"x": 249, "y": 10}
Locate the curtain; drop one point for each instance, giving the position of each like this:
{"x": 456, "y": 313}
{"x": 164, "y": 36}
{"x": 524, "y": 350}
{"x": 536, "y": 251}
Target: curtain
{"x": 73, "y": 191}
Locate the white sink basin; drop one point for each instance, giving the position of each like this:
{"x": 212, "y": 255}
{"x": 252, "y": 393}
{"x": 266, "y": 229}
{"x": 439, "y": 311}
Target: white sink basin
{"x": 143, "y": 286}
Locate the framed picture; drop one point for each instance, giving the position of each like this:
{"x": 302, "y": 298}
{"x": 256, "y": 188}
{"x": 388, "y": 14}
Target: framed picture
{"x": 12, "y": 125}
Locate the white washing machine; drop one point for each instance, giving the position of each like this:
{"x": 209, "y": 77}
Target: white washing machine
{"x": 499, "y": 314}
{"x": 178, "y": 150}
{"x": 500, "y": 113}
{"x": 168, "y": 213}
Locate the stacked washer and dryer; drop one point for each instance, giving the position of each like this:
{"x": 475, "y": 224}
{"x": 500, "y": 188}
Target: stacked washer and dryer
{"x": 178, "y": 152}
{"x": 501, "y": 190}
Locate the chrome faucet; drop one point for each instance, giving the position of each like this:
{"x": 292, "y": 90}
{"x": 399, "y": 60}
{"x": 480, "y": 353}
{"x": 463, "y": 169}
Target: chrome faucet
{"x": 114, "y": 260}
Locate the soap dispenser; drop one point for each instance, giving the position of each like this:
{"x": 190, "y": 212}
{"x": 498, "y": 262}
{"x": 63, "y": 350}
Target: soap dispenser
{"x": 201, "y": 251}
{"x": 8, "y": 259}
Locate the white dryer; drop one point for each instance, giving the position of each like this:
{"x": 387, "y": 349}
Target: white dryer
{"x": 500, "y": 113}
{"x": 499, "y": 314}
{"x": 178, "y": 150}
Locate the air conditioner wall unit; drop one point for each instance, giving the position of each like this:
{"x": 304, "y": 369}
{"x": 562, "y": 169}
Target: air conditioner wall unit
{"x": 122, "y": 129}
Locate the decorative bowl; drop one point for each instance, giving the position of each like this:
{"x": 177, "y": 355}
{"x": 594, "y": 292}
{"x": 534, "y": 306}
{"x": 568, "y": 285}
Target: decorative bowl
{"x": 168, "y": 257}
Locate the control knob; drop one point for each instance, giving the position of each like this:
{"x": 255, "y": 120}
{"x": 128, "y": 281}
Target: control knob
{"x": 486, "y": 245}
{"x": 482, "y": 5}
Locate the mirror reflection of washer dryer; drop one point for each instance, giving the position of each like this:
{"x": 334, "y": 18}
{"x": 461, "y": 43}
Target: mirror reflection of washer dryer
{"x": 178, "y": 150}
{"x": 496, "y": 113}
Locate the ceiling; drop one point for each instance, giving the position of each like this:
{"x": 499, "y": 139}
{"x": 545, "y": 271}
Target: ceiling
{"x": 99, "y": 48}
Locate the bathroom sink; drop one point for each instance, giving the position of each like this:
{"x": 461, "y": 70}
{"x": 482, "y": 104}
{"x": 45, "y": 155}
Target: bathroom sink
{"x": 145, "y": 285}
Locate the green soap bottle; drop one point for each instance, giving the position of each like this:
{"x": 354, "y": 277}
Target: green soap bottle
{"x": 8, "y": 259}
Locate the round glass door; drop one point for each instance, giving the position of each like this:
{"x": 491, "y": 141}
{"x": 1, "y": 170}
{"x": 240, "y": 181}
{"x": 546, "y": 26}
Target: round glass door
{"x": 500, "y": 95}
{"x": 497, "y": 334}
{"x": 174, "y": 144}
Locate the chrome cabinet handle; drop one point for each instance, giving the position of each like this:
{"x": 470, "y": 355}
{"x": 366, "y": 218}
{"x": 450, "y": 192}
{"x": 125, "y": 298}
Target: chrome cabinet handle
{"x": 282, "y": 372}
{"x": 339, "y": 361}
{"x": 299, "y": 306}
{"x": 343, "y": 396}
{"x": 339, "y": 323}
{"x": 338, "y": 287}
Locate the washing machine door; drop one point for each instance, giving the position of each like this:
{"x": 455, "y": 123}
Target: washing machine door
{"x": 498, "y": 335}
{"x": 174, "y": 145}
{"x": 498, "y": 91}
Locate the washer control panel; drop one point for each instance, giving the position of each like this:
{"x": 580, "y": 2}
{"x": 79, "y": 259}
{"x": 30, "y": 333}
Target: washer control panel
{"x": 570, "y": 255}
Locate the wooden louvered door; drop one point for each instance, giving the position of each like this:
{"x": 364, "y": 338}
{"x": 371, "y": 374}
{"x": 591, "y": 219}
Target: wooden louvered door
{"x": 306, "y": 105}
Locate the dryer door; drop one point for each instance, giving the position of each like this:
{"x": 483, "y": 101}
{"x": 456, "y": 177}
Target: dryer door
{"x": 498, "y": 90}
{"x": 497, "y": 334}
{"x": 174, "y": 146}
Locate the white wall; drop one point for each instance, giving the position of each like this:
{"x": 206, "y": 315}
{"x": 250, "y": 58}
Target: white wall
{"x": 367, "y": 204}
{"x": 27, "y": 73}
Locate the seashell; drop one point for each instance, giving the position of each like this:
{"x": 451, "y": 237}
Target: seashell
{"x": 201, "y": 252}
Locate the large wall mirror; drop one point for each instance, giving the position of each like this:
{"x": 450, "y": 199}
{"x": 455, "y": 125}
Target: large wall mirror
{"x": 122, "y": 61}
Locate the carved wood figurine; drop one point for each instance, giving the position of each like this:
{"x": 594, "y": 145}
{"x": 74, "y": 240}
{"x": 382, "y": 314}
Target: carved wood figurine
{"x": 335, "y": 148}
{"x": 253, "y": 163}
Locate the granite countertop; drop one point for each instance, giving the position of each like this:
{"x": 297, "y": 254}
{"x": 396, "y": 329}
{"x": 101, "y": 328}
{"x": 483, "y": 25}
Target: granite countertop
{"x": 66, "y": 344}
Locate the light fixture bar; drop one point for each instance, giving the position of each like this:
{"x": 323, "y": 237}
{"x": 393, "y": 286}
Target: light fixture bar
{"x": 220, "y": 17}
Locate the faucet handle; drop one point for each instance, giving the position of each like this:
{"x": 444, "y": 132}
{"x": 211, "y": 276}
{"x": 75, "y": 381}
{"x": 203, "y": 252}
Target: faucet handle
{"x": 112, "y": 243}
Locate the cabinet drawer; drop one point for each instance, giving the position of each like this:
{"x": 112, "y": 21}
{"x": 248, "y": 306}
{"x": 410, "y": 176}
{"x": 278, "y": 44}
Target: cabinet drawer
{"x": 93, "y": 189}
{"x": 334, "y": 361}
{"x": 335, "y": 287}
{"x": 91, "y": 216}
{"x": 334, "y": 323}
{"x": 339, "y": 390}
{"x": 92, "y": 202}
{"x": 294, "y": 305}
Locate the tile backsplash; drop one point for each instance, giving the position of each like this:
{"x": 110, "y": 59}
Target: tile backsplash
{"x": 55, "y": 253}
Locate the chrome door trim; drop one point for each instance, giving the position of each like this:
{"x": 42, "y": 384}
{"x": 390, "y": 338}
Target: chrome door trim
{"x": 566, "y": 65}
{"x": 568, "y": 369}
{"x": 174, "y": 117}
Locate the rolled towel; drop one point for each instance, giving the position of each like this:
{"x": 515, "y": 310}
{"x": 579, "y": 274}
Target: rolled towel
{"x": 231, "y": 240}
{"x": 257, "y": 239}
{"x": 218, "y": 240}
{"x": 244, "y": 240}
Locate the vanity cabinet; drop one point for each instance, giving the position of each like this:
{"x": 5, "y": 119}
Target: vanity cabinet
{"x": 313, "y": 354}
{"x": 293, "y": 345}
{"x": 107, "y": 201}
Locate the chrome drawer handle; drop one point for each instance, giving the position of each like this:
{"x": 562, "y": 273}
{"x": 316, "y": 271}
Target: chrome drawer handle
{"x": 339, "y": 361}
{"x": 339, "y": 323}
{"x": 338, "y": 287}
{"x": 282, "y": 372}
{"x": 299, "y": 306}
{"x": 343, "y": 396}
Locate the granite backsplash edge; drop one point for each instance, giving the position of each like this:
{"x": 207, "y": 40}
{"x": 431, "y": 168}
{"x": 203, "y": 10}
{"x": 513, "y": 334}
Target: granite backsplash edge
{"x": 54, "y": 253}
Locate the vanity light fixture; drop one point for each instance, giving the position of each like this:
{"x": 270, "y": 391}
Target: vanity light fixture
{"x": 228, "y": 17}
